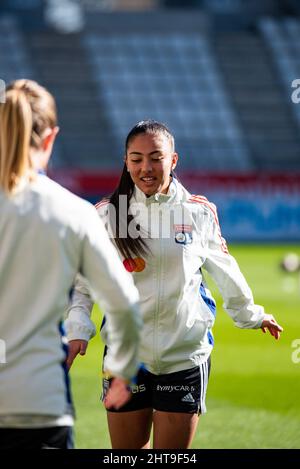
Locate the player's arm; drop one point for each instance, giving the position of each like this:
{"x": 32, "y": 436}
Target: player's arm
{"x": 79, "y": 327}
{"x": 112, "y": 287}
{"x": 237, "y": 295}
{"x": 78, "y": 324}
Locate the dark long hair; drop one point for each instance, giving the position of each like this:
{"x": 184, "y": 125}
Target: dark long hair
{"x": 129, "y": 246}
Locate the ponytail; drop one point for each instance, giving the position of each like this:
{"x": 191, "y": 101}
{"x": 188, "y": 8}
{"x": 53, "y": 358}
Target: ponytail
{"x": 15, "y": 135}
{"x": 29, "y": 109}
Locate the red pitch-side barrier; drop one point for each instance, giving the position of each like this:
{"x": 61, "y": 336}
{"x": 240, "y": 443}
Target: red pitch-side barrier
{"x": 93, "y": 183}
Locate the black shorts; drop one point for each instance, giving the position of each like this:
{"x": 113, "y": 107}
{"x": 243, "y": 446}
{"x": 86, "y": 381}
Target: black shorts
{"x": 182, "y": 391}
{"x": 36, "y": 438}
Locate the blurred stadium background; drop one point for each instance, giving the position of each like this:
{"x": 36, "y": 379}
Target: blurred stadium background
{"x": 220, "y": 74}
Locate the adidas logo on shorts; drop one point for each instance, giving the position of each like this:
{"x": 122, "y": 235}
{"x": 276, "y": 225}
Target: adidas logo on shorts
{"x": 188, "y": 398}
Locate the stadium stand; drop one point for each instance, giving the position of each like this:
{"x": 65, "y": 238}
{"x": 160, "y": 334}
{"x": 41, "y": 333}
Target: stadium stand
{"x": 219, "y": 91}
{"x": 16, "y": 61}
{"x": 282, "y": 37}
{"x": 61, "y": 65}
{"x": 220, "y": 79}
{"x": 170, "y": 76}
{"x": 263, "y": 109}
{"x": 14, "y": 58}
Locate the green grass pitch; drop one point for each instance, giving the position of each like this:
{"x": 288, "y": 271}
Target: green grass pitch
{"x": 253, "y": 397}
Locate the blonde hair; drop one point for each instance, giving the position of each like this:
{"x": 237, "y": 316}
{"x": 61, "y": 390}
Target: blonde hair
{"x": 29, "y": 110}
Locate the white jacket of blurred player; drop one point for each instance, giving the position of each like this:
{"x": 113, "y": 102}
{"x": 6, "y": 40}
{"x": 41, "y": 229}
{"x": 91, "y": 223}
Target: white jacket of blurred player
{"x": 177, "y": 308}
{"x": 47, "y": 236}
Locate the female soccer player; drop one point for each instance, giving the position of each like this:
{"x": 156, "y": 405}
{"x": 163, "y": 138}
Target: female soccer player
{"x": 166, "y": 237}
{"x": 47, "y": 236}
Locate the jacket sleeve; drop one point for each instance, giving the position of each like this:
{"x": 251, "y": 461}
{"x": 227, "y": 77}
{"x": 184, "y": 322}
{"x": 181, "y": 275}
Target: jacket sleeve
{"x": 110, "y": 285}
{"x": 223, "y": 268}
{"x": 78, "y": 324}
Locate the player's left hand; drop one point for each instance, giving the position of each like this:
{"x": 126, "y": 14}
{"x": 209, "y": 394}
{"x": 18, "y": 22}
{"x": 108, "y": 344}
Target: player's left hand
{"x": 270, "y": 324}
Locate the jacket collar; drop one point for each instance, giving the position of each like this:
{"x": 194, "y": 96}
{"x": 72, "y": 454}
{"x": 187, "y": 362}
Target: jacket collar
{"x": 172, "y": 195}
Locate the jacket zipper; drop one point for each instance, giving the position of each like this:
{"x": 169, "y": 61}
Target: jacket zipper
{"x": 158, "y": 301}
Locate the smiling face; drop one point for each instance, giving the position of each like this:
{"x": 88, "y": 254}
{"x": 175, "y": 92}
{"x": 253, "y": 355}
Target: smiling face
{"x": 150, "y": 159}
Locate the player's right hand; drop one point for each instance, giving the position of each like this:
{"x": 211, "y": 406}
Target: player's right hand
{"x": 75, "y": 347}
{"x": 118, "y": 394}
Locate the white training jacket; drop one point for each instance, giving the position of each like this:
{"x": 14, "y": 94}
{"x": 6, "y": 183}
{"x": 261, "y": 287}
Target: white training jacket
{"x": 47, "y": 236}
{"x": 177, "y": 309}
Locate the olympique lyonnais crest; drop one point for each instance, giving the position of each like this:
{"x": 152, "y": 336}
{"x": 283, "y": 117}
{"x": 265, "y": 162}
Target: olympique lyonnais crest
{"x": 183, "y": 234}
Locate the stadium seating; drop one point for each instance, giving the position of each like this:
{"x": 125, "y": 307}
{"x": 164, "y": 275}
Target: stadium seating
{"x": 14, "y": 60}
{"x": 282, "y": 37}
{"x": 172, "y": 78}
{"x": 263, "y": 108}
{"x": 224, "y": 94}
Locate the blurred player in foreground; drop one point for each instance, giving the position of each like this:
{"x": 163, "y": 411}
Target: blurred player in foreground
{"x": 47, "y": 236}
{"x": 178, "y": 310}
